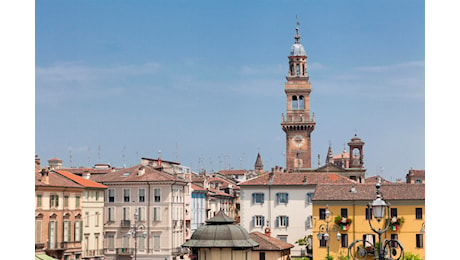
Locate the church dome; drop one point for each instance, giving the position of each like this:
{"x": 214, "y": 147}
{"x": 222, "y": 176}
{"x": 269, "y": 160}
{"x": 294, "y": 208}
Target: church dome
{"x": 297, "y": 50}
{"x": 220, "y": 231}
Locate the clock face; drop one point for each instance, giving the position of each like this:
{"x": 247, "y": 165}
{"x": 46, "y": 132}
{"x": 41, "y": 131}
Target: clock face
{"x": 298, "y": 140}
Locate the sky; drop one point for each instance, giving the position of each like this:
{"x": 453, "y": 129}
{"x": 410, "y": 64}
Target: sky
{"x": 202, "y": 83}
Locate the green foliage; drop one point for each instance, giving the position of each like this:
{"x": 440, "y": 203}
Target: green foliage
{"x": 410, "y": 256}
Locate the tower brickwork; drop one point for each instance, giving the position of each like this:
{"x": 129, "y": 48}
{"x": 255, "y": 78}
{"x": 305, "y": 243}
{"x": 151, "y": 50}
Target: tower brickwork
{"x": 298, "y": 123}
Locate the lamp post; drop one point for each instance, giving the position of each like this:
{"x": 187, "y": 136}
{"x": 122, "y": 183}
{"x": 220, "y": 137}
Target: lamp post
{"x": 388, "y": 249}
{"x": 324, "y": 229}
{"x": 136, "y": 231}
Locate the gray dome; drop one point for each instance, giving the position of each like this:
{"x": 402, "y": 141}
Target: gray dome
{"x": 297, "y": 50}
{"x": 220, "y": 232}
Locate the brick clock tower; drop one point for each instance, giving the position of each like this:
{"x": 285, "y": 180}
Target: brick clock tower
{"x": 298, "y": 123}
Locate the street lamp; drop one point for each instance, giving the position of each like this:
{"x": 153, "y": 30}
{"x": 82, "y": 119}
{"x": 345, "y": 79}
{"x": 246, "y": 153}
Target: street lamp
{"x": 136, "y": 231}
{"x": 389, "y": 249}
{"x": 324, "y": 229}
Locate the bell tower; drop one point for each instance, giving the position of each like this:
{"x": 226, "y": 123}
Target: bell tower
{"x": 297, "y": 123}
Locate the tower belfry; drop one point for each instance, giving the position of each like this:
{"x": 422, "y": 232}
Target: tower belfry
{"x": 297, "y": 123}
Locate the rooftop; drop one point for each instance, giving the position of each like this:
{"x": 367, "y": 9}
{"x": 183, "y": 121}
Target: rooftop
{"x": 268, "y": 243}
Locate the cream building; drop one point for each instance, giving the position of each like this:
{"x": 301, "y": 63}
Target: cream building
{"x": 158, "y": 199}
{"x": 92, "y": 213}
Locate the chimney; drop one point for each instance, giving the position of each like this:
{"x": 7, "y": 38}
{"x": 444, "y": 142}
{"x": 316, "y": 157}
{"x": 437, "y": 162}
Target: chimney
{"x": 268, "y": 232}
{"x": 86, "y": 174}
{"x": 45, "y": 178}
{"x": 37, "y": 163}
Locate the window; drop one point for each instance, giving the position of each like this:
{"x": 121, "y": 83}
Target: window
{"x": 111, "y": 195}
{"x": 156, "y": 242}
{"x": 309, "y": 197}
{"x": 66, "y": 235}
{"x": 39, "y": 200}
{"x": 394, "y": 212}
{"x": 125, "y": 213}
{"x": 110, "y": 214}
{"x": 78, "y": 233}
{"x": 322, "y": 242}
{"x": 258, "y": 198}
{"x": 369, "y": 240}
{"x": 141, "y": 243}
{"x": 282, "y": 198}
{"x": 322, "y": 213}
{"x": 97, "y": 195}
{"x": 141, "y": 214}
{"x": 258, "y": 221}
{"x": 418, "y": 213}
{"x": 344, "y": 240}
{"x": 393, "y": 237}
{"x": 297, "y": 69}
{"x": 261, "y": 255}
{"x": 111, "y": 241}
{"x": 418, "y": 181}
{"x": 294, "y": 103}
{"x": 157, "y": 195}
{"x": 156, "y": 214}
{"x": 52, "y": 234}
{"x": 38, "y": 231}
{"x": 126, "y": 195}
{"x": 54, "y": 201}
{"x": 282, "y": 238}
{"x": 308, "y": 222}
{"x": 87, "y": 219}
{"x": 368, "y": 213}
{"x": 66, "y": 201}
{"x": 419, "y": 240}
{"x": 282, "y": 221}
{"x": 301, "y": 102}
{"x": 125, "y": 242}
{"x": 141, "y": 195}
{"x": 344, "y": 213}
{"x": 77, "y": 202}
{"x": 97, "y": 219}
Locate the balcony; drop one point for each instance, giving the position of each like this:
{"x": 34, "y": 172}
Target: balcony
{"x": 125, "y": 251}
{"x": 39, "y": 246}
{"x": 93, "y": 252}
{"x": 126, "y": 223}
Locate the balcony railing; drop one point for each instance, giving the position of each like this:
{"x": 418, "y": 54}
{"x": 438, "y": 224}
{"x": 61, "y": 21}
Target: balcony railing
{"x": 125, "y": 251}
{"x": 126, "y": 223}
{"x": 93, "y": 252}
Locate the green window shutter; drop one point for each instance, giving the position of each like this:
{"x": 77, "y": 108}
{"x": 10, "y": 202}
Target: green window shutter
{"x": 81, "y": 231}
{"x": 49, "y": 232}
{"x": 56, "y": 232}
{"x": 57, "y": 201}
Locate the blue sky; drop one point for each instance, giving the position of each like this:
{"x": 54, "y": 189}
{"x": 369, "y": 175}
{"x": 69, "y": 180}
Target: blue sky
{"x": 204, "y": 82}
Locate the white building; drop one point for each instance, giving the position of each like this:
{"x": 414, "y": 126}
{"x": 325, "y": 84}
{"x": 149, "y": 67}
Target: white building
{"x": 281, "y": 202}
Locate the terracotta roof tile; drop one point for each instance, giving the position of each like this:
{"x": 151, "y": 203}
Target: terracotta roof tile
{"x": 80, "y": 180}
{"x": 131, "y": 174}
{"x": 393, "y": 191}
{"x": 232, "y": 172}
{"x": 268, "y": 243}
{"x": 55, "y": 180}
{"x": 281, "y": 178}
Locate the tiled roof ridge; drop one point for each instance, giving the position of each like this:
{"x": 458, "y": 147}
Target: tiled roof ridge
{"x": 80, "y": 180}
{"x": 273, "y": 243}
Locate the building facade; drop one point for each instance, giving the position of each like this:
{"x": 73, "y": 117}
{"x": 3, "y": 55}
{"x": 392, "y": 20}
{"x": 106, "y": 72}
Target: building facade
{"x": 282, "y": 203}
{"x": 92, "y": 205}
{"x": 146, "y": 199}
{"x": 350, "y": 202}
{"x": 58, "y": 215}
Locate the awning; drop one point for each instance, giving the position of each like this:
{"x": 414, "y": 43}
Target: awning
{"x": 43, "y": 256}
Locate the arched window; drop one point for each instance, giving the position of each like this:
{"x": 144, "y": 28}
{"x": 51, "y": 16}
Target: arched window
{"x": 301, "y": 102}
{"x": 297, "y": 69}
{"x": 303, "y": 69}
{"x": 294, "y": 103}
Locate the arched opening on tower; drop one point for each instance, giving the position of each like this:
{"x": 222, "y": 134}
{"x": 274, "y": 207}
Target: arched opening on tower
{"x": 294, "y": 103}
{"x": 301, "y": 102}
{"x": 297, "y": 69}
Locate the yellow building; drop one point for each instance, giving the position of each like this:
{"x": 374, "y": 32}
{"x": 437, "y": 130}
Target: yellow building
{"x": 347, "y": 205}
